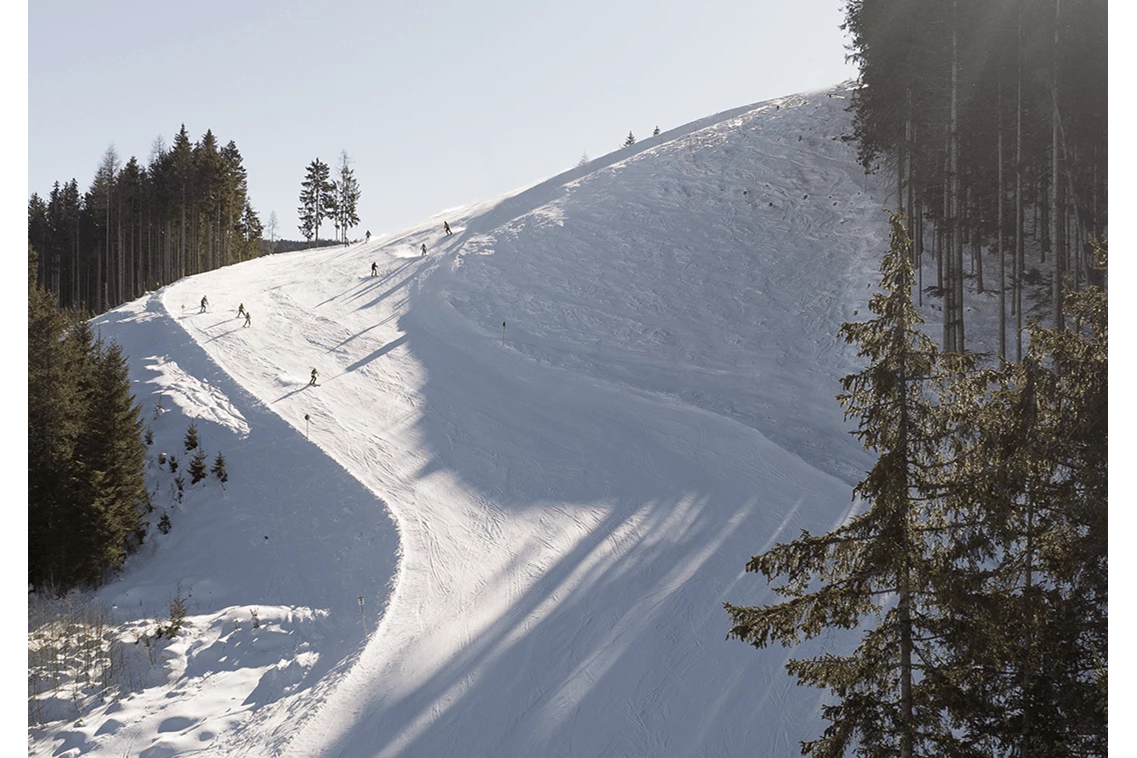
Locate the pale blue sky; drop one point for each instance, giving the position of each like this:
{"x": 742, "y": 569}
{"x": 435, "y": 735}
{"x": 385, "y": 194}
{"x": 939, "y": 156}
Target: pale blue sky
{"x": 437, "y": 103}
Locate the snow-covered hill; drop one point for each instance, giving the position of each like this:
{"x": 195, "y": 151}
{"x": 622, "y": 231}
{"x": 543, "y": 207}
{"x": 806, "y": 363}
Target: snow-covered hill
{"x": 538, "y": 458}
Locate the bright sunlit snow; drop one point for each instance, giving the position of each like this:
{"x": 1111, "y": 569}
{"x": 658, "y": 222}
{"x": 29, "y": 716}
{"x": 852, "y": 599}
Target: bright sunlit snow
{"x": 541, "y": 520}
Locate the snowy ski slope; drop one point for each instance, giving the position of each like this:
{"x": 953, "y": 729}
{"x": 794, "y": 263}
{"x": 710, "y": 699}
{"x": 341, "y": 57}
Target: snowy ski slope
{"x": 475, "y": 541}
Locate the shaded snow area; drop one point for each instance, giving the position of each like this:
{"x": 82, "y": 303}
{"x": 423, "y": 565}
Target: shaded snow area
{"x": 542, "y": 521}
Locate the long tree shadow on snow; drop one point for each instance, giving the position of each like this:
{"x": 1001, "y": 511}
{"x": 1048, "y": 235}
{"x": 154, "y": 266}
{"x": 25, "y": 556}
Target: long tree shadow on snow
{"x": 621, "y": 635}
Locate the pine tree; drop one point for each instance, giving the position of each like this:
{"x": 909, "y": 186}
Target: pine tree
{"x": 347, "y": 197}
{"x": 86, "y": 491}
{"x": 218, "y": 469}
{"x": 54, "y": 413}
{"x": 655, "y": 132}
{"x": 878, "y": 565}
{"x": 113, "y": 464}
{"x": 190, "y": 441}
{"x": 629, "y": 140}
{"x": 197, "y": 467}
{"x": 1029, "y": 566}
{"x": 317, "y": 200}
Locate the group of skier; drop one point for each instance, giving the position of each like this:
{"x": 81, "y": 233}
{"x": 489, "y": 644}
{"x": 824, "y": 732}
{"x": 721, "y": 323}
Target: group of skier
{"x": 375, "y": 266}
{"x": 240, "y": 311}
{"x": 374, "y": 272}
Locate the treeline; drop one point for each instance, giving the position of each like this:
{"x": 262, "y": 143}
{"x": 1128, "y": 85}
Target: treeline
{"x": 87, "y": 495}
{"x": 288, "y": 246}
{"x": 993, "y": 115}
{"x": 139, "y": 227}
{"x": 976, "y": 576}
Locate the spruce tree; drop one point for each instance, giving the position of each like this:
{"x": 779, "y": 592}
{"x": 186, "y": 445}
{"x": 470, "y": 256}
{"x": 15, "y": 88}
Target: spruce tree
{"x": 317, "y": 200}
{"x": 113, "y": 465}
{"x": 218, "y": 469}
{"x": 54, "y": 414}
{"x": 190, "y": 441}
{"x": 197, "y": 467}
{"x": 86, "y": 491}
{"x": 1028, "y": 567}
{"x": 629, "y": 140}
{"x": 347, "y": 197}
{"x": 878, "y": 566}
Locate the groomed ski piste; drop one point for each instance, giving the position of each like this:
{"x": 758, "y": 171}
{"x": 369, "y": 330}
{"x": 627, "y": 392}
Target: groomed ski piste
{"x": 535, "y": 466}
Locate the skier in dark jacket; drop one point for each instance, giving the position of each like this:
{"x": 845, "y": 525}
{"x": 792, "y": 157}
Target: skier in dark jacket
{"x": 424, "y": 250}
{"x": 204, "y": 303}
{"x": 368, "y": 235}
{"x": 446, "y": 226}
{"x": 374, "y": 269}
{"x": 248, "y": 319}
{"x": 314, "y": 375}
{"x": 240, "y": 310}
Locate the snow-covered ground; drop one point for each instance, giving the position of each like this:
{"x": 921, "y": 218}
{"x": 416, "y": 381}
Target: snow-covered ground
{"x": 473, "y": 540}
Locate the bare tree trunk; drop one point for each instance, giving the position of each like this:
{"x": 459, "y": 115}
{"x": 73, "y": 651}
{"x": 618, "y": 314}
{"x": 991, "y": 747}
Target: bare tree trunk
{"x": 947, "y": 290}
{"x": 955, "y": 281}
{"x": 1020, "y": 242}
{"x": 999, "y": 239}
{"x": 1055, "y": 187}
{"x": 976, "y": 245}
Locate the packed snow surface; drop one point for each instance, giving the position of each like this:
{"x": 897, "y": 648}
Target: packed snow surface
{"x": 533, "y": 468}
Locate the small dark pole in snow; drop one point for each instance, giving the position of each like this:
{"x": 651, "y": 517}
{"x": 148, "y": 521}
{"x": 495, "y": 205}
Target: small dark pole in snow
{"x": 306, "y": 418}
{"x": 362, "y": 616}
{"x": 503, "y": 334}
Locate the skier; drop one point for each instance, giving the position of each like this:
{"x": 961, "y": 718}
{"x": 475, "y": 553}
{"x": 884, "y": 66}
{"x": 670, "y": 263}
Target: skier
{"x": 248, "y": 319}
{"x": 374, "y": 269}
{"x": 314, "y": 375}
{"x": 368, "y": 235}
{"x": 423, "y": 251}
{"x": 204, "y": 303}
{"x": 240, "y": 310}
{"x": 446, "y": 226}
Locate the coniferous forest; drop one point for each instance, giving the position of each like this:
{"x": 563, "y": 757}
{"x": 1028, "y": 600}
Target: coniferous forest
{"x": 993, "y": 118}
{"x": 973, "y": 579}
{"x": 139, "y": 227}
{"x": 87, "y": 495}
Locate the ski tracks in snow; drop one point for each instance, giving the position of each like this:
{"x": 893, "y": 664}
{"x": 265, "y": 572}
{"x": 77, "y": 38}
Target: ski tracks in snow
{"x": 573, "y": 505}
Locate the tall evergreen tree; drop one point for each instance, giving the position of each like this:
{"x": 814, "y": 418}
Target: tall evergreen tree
{"x": 1028, "y": 568}
{"x": 317, "y": 200}
{"x": 347, "y": 198}
{"x": 112, "y": 465}
{"x": 54, "y": 412}
{"x": 86, "y": 489}
{"x": 879, "y": 564}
